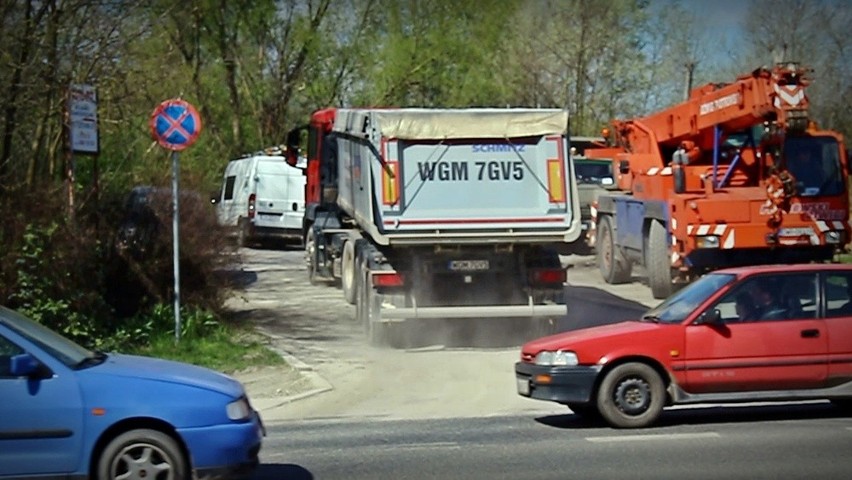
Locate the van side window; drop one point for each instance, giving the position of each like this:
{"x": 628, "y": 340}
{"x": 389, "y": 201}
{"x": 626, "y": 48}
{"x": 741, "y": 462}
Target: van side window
{"x": 838, "y": 295}
{"x": 229, "y": 187}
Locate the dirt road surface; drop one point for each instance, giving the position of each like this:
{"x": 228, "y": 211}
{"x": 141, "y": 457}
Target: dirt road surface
{"x": 458, "y": 369}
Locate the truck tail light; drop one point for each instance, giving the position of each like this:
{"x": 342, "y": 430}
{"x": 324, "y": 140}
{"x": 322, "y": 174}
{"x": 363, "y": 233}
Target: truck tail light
{"x": 387, "y": 279}
{"x": 390, "y": 183}
{"x": 252, "y": 207}
{"x": 556, "y": 181}
{"x": 547, "y": 276}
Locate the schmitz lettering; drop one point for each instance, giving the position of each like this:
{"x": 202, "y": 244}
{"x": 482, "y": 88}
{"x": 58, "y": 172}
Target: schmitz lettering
{"x": 497, "y": 147}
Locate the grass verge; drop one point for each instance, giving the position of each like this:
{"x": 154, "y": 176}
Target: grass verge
{"x": 226, "y": 349}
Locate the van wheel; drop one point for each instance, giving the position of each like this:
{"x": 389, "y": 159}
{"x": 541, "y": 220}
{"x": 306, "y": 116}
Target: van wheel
{"x": 631, "y": 396}
{"x": 348, "y": 273}
{"x": 242, "y": 233}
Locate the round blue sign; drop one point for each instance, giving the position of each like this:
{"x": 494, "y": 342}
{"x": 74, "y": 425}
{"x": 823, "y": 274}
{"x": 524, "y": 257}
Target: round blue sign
{"x": 175, "y": 124}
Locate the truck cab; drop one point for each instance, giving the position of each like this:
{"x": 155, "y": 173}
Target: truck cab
{"x": 594, "y": 178}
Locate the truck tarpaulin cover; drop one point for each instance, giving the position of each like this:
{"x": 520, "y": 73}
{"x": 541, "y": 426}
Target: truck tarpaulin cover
{"x": 434, "y": 124}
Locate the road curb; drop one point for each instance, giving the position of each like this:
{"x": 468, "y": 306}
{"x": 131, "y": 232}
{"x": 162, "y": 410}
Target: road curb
{"x": 320, "y": 384}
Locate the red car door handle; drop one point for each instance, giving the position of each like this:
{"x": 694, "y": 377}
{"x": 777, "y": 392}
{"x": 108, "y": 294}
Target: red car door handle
{"x": 810, "y": 333}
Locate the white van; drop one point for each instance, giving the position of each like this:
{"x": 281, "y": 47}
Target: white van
{"x": 262, "y": 197}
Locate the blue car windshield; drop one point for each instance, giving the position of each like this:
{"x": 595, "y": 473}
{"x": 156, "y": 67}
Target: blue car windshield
{"x": 61, "y": 348}
{"x": 676, "y": 308}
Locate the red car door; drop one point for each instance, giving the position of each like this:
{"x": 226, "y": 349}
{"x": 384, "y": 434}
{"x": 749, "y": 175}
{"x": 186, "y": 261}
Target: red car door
{"x": 838, "y": 313}
{"x": 785, "y": 350}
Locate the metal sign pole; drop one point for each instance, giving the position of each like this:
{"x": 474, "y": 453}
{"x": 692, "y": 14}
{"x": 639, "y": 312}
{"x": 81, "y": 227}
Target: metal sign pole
{"x": 175, "y": 124}
{"x": 176, "y": 239}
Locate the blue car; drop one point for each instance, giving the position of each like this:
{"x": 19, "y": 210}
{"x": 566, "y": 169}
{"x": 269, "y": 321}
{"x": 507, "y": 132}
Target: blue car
{"x": 66, "y": 411}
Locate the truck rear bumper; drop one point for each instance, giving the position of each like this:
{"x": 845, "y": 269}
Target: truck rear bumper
{"x": 400, "y": 314}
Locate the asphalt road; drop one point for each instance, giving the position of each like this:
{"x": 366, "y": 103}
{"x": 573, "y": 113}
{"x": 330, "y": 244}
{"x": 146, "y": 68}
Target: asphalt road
{"x": 446, "y": 407}
{"x": 803, "y": 441}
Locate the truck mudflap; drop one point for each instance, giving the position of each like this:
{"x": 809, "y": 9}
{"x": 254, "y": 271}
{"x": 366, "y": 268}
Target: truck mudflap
{"x": 393, "y": 314}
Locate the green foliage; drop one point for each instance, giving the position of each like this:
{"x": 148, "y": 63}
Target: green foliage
{"x": 226, "y": 349}
{"x": 195, "y": 323}
{"x": 40, "y": 295}
{"x": 435, "y": 53}
{"x": 79, "y": 282}
{"x": 156, "y": 323}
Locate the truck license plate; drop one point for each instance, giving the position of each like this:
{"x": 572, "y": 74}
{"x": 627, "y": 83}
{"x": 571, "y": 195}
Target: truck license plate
{"x": 469, "y": 265}
{"x": 523, "y": 386}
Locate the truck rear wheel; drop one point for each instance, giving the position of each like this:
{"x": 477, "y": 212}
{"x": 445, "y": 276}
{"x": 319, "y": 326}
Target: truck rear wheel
{"x": 614, "y": 267}
{"x": 311, "y": 257}
{"x": 371, "y": 303}
{"x": 657, "y": 261}
{"x": 348, "y": 272}
{"x": 360, "y": 300}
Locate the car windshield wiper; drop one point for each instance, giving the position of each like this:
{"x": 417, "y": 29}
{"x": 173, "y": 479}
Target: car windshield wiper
{"x": 651, "y": 318}
{"x": 96, "y": 359}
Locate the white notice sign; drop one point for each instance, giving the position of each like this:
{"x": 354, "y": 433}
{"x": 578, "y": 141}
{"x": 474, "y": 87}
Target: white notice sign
{"x": 83, "y": 116}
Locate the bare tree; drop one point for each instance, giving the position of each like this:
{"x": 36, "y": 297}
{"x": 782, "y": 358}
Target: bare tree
{"x": 814, "y": 33}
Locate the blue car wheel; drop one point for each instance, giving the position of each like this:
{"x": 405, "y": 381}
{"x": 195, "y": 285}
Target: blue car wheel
{"x": 143, "y": 453}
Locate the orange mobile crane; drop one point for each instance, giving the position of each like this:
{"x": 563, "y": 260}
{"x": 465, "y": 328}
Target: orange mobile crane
{"x": 736, "y": 175}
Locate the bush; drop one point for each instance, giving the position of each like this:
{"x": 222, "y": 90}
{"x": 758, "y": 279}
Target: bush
{"x": 140, "y": 272}
{"x": 71, "y": 277}
{"x": 54, "y": 283}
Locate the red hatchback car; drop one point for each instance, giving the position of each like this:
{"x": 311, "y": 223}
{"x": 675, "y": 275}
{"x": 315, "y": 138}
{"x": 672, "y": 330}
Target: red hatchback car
{"x": 763, "y": 333}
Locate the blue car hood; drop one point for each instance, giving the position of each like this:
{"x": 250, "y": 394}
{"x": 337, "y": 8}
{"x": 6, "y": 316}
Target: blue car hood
{"x": 156, "y": 369}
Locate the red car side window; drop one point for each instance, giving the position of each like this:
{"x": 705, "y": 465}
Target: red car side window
{"x": 838, "y": 295}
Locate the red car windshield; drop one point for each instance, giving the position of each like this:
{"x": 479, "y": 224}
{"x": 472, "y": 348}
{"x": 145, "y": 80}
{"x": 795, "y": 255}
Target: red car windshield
{"x": 676, "y": 308}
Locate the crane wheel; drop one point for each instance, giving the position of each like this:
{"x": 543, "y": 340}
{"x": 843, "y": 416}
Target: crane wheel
{"x": 612, "y": 264}
{"x": 657, "y": 261}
